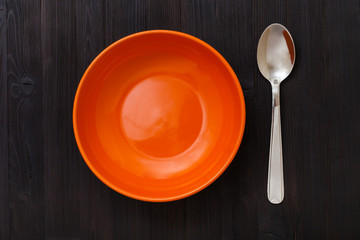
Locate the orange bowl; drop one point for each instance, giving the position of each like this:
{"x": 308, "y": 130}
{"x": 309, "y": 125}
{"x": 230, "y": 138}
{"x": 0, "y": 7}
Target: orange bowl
{"x": 159, "y": 115}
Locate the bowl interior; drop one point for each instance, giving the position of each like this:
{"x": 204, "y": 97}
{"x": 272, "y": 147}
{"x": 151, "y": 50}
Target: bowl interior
{"x": 159, "y": 115}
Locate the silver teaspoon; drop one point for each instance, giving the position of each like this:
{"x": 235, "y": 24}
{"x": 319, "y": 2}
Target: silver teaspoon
{"x": 275, "y": 58}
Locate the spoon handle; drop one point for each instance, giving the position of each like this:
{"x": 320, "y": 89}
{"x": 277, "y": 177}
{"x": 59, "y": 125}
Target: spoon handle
{"x": 275, "y": 188}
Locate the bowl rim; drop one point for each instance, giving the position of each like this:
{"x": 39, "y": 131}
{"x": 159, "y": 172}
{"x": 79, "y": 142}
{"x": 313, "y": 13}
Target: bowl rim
{"x": 220, "y": 171}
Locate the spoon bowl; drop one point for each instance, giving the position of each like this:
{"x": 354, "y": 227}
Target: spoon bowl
{"x": 276, "y": 53}
{"x": 275, "y": 58}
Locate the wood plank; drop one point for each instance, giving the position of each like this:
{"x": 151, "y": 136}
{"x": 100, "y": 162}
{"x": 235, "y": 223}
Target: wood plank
{"x": 342, "y": 116}
{"x": 240, "y": 182}
{"x": 93, "y": 33}
{"x": 61, "y": 163}
{"x": 4, "y": 180}
{"x": 26, "y": 185}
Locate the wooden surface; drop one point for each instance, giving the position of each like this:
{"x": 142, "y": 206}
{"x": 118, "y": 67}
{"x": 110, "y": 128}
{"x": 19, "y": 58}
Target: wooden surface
{"x": 48, "y": 192}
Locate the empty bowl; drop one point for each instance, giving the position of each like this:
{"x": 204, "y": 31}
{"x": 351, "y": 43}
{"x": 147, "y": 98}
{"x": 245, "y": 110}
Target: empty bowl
{"x": 158, "y": 115}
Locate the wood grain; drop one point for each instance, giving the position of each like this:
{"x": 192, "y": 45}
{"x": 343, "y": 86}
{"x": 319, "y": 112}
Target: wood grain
{"x": 59, "y": 77}
{"x": 4, "y": 180}
{"x": 48, "y": 192}
{"x": 25, "y": 129}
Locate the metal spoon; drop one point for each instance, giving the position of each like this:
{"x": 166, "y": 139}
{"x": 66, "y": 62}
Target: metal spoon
{"x": 275, "y": 58}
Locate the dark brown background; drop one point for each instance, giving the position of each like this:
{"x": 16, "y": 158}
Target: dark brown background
{"x": 48, "y": 192}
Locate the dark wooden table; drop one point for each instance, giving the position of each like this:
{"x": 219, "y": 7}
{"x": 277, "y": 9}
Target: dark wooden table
{"x": 48, "y": 192}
